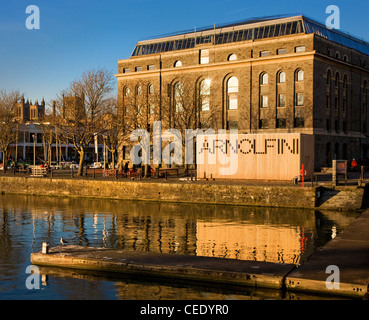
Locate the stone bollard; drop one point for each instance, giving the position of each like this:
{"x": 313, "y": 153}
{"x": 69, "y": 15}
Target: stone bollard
{"x": 45, "y": 248}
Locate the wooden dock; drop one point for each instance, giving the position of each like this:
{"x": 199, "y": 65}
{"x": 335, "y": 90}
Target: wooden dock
{"x": 349, "y": 251}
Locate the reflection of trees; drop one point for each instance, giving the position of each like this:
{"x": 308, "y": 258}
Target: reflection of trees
{"x": 12, "y": 246}
{"x": 5, "y": 238}
{"x": 81, "y": 236}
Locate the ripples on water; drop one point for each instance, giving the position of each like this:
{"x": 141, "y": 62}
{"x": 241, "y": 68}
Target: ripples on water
{"x": 259, "y": 234}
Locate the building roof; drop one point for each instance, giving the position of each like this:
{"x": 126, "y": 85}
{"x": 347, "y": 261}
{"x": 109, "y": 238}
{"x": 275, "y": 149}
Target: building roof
{"x": 251, "y": 29}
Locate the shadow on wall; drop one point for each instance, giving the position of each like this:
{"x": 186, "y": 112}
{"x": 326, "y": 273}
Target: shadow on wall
{"x": 325, "y": 194}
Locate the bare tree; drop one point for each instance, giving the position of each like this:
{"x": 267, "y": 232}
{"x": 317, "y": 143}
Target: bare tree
{"x": 81, "y": 110}
{"x": 137, "y": 111}
{"x": 188, "y": 106}
{"x": 48, "y": 132}
{"x": 8, "y": 123}
{"x": 112, "y": 129}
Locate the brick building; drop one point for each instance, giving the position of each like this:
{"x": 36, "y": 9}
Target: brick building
{"x": 271, "y": 75}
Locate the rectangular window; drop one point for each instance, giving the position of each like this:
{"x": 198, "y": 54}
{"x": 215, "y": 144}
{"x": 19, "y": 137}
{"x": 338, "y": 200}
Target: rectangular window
{"x": 264, "y": 53}
{"x": 299, "y": 99}
{"x": 300, "y": 49}
{"x": 138, "y": 69}
{"x": 232, "y": 125}
{"x": 328, "y": 125}
{"x": 126, "y": 70}
{"x": 232, "y": 102}
{"x": 344, "y": 125}
{"x": 281, "y": 123}
{"x": 205, "y": 104}
{"x": 204, "y": 56}
{"x": 263, "y": 101}
{"x": 179, "y": 107}
{"x": 152, "y": 109}
{"x": 281, "y": 100}
{"x": 139, "y": 110}
{"x": 150, "y": 67}
{"x": 337, "y": 126}
{"x": 281, "y": 51}
{"x": 299, "y": 122}
{"x": 328, "y": 101}
{"x": 263, "y": 124}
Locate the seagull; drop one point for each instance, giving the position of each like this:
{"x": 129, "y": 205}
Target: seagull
{"x": 63, "y": 241}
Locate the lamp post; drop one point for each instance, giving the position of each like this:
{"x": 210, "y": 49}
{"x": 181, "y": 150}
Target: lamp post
{"x": 16, "y": 146}
{"x": 104, "y": 137}
{"x": 34, "y": 149}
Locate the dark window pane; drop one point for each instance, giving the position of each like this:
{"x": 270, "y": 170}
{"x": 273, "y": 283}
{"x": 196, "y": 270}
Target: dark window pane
{"x": 277, "y": 30}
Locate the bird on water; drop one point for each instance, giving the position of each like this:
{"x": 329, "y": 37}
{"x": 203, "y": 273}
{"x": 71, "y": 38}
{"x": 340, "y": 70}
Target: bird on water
{"x": 63, "y": 241}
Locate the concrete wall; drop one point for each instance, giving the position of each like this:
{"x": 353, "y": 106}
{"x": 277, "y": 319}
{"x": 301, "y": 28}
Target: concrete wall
{"x": 196, "y": 192}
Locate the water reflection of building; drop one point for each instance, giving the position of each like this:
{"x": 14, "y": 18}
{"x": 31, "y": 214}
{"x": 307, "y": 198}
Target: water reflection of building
{"x": 262, "y": 238}
{"x": 163, "y": 234}
{"x": 281, "y": 244}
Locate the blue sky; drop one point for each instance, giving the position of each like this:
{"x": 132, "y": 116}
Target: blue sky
{"x": 77, "y": 35}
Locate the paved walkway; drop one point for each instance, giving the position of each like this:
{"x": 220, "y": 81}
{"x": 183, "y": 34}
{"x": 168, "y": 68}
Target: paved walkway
{"x": 349, "y": 251}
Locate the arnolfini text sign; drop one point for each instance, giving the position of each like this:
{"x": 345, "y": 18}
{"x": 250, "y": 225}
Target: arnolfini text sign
{"x": 254, "y": 156}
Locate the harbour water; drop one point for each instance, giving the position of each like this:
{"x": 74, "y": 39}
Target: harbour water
{"x": 259, "y": 234}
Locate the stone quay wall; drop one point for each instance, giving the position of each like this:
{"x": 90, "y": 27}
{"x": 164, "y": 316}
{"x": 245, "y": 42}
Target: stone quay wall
{"x": 173, "y": 191}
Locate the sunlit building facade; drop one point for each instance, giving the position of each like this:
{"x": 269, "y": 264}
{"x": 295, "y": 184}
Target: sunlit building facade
{"x": 272, "y": 75}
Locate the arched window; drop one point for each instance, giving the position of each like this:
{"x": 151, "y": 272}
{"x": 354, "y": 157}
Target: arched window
{"x": 299, "y": 75}
{"x": 329, "y": 77}
{"x": 232, "y": 57}
{"x": 205, "y": 94}
{"x": 337, "y": 79}
{"x": 281, "y": 77}
{"x": 232, "y": 93}
{"x": 345, "y": 93}
{"x": 178, "y": 96}
{"x": 337, "y": 55}
{"x": 264, "y": 79}
{"x": 337, "y": 91}
{"x": 151, "y": 89}
{"x": 281, "y": 89}
{"x": 139, "y": 90}
{"x": 365, "y": 97}
{"x": 232, "y": 85}
{"x": 177, "y": 64}
{"x": 126, "y": 91}
{"x": 328, "y": 99}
